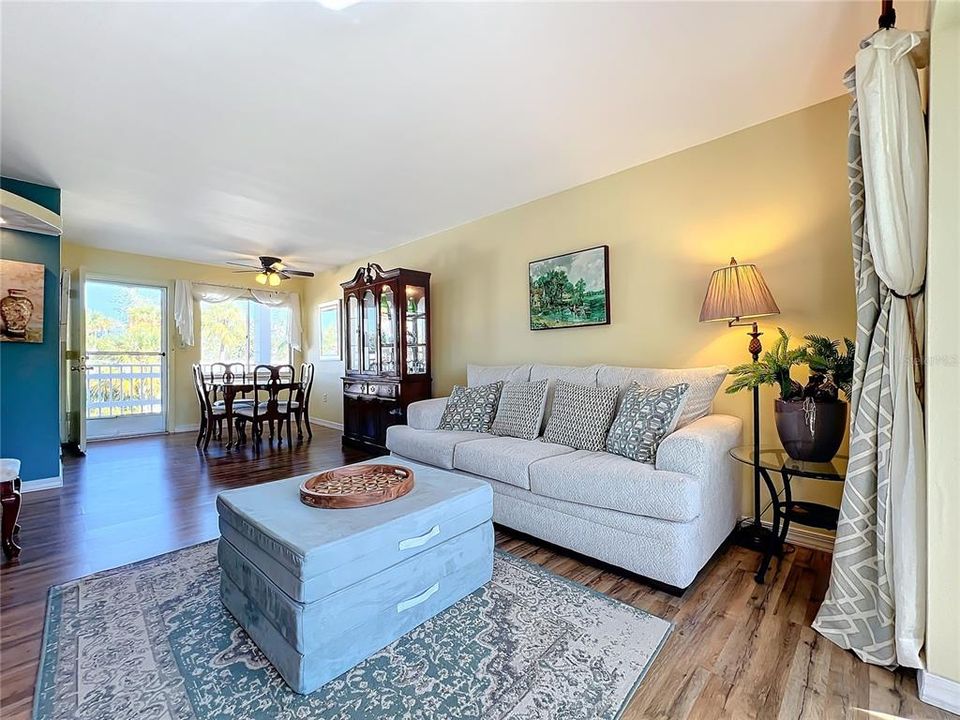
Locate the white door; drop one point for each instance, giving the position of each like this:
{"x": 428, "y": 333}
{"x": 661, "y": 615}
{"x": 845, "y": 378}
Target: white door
{"x": 124, "y": 358}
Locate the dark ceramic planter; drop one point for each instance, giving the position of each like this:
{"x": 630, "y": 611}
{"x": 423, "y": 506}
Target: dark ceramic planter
{"x": 829, "y": 423}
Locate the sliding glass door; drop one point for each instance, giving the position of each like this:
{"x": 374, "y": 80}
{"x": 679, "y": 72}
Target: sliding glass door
{"x": 124, "y": 365}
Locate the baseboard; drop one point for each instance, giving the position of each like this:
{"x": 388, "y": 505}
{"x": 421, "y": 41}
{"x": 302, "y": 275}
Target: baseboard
{"x": 805, "y": 537}
{"x": 938, "y": 691}
{"x": 189, "y": 427}
{"x": 50, "y": 483}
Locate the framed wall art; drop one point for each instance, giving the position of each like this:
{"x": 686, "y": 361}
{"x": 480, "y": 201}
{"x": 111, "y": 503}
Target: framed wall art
{"x": 21, "y": 301}
{"x": 571, "y": 290}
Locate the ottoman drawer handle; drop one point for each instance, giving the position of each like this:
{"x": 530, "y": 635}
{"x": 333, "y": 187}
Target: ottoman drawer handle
{"x": 420, "y": 539}
{"x": 417, "y": 599}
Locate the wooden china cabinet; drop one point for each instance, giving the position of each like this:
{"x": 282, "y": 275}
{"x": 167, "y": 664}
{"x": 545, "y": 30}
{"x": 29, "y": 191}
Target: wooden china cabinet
{"x": 387, "y": 351}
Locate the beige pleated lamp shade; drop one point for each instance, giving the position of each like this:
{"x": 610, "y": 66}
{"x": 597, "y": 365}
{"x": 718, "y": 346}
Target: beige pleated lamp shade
{"x": 736, "y": 292}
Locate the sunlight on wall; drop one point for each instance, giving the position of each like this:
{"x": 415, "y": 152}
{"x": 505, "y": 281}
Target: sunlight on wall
{"x": 774, "y": 194}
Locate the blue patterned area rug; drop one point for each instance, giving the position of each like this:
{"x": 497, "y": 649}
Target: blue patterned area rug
{"x": 152, "y": 640}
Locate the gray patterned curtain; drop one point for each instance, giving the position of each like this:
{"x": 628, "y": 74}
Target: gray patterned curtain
{"x": 875, "y": 602}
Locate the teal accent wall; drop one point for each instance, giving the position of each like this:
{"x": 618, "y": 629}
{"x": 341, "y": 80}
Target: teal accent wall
{"x": 30, "y": 372}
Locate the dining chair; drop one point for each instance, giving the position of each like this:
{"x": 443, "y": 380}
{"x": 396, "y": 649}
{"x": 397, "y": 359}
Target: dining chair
{"x": 212, "y": 412}
{"x": 268, "y": 382}
{"x": 301, "y": 405}
{"x": 234, "y": 371}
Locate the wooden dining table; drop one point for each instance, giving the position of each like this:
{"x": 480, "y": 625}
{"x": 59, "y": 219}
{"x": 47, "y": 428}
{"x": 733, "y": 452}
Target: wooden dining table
{"x": 230, "y": 387}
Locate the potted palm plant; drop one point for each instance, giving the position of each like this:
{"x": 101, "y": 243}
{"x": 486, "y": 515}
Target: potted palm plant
{"x": 811, "y": 420}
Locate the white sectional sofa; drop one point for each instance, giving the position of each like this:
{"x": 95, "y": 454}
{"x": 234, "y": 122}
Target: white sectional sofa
{"x": 663, "y": 522}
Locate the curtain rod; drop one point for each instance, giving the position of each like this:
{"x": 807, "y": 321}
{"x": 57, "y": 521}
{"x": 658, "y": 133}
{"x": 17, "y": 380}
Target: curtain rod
{"x": 241, "y": 287}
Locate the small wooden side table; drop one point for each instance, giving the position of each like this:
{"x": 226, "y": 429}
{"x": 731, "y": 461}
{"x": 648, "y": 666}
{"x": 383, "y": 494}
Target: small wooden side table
{"x": 10, "y": 501}
{"x": 784, "y": 511}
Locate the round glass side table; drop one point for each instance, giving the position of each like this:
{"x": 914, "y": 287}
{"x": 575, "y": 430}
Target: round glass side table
{"x": 789, "y": 510}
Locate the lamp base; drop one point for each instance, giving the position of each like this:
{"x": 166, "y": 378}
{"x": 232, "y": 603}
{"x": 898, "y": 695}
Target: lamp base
{"x": 750, "y": 534}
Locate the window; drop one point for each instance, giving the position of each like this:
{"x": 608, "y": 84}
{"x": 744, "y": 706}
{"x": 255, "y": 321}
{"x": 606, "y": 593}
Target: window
{"x": 244, "y": 331}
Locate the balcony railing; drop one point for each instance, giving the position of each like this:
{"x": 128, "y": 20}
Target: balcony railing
{"x": 122, "y": 384}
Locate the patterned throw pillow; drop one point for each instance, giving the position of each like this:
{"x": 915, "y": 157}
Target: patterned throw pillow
{"x": 471, "y": 409}
{"x": 646, "y": 417}
{"x": 581, "y": 416}
{"x": 521, "y": 410}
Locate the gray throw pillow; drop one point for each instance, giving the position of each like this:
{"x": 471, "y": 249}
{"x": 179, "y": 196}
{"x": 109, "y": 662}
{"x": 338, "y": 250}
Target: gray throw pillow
{"x": 581, "y": 415}
{"x": 521, "y": 410}
{"x": 646, "y": 416}
{"x": 471, "y": 409}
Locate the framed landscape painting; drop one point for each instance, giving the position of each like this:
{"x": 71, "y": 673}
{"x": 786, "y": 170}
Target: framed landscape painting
{"x": 570, "y": 290}
{"x": 21, "y": 301}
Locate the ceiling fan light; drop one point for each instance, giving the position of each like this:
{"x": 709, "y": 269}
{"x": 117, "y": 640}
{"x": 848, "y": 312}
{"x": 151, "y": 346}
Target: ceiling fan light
{"x": 274, "y": 279}
{"x": 278, "y": 266}
{"x": 261, "y": 278}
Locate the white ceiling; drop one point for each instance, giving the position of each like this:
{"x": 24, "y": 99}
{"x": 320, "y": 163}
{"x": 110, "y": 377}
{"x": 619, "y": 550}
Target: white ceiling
{"x": 208, "y": 131}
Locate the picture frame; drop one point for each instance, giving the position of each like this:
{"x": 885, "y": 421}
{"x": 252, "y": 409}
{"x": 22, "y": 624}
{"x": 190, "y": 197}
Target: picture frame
{"x": 21, "y": 301}
{"x": 570, "y": 290}
{"x": 330, "y": 330}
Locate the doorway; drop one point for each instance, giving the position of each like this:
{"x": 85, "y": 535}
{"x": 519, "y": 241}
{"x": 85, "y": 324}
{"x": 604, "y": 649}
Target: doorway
{"x": 123, "y": 359}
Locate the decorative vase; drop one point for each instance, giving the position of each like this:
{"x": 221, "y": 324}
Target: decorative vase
{"x": 809, "y": 430}
{"x": 16, "y": 310}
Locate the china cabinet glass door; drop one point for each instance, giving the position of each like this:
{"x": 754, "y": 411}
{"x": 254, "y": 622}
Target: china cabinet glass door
{"x": 388, "y": 340}
{"x": 416, "y": 330}
{"x": 369, "y": 357}
{"x": 353, "y": 333}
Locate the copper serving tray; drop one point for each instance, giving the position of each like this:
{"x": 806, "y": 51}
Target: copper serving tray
{"x": 356, "y": 486}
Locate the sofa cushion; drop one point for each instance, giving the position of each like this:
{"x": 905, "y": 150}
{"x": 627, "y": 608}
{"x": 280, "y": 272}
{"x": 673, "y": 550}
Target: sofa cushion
{"x": 552, "y": 373}
{"x": 506, "y": 459}
{"x": 704, "y": 383}
{"x": 603, "y": 480}
{"x": 520, "y": 412}
{"x": 486, "y": 374}
{"x": 433, "y": 447}
{"x": 645, "y": 417}
{"x": 471, "y": 409}
{"x": 581, "y": 416}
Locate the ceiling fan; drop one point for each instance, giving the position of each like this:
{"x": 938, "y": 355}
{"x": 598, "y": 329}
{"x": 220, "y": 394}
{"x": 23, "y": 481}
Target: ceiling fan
{"x": 271, "y": 270}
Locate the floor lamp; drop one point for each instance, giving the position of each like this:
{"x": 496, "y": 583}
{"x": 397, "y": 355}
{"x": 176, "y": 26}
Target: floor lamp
{"x": 735, "y": 293}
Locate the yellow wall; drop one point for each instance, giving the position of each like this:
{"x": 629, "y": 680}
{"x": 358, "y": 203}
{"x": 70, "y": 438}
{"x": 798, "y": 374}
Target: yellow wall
{"x": 774, "y": 194}
{"x": 128, "y": 266}
{"x": 943, "y": 347}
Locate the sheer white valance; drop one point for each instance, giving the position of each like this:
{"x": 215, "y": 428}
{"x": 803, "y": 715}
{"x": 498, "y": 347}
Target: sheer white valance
{"x": 187, "y": 292}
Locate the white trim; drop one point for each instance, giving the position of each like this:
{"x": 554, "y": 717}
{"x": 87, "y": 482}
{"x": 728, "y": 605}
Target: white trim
{"x": 939, "y": 691}
{"x": 804, "y": 537}
{"x": 49, "y": 483}
{"x": 188, "y": 427}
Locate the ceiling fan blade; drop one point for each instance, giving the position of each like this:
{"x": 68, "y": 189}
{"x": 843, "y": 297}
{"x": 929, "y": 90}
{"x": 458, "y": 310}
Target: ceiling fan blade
{"x": 300, "y": 273}
{"x": 251, "y": 270}
{"x": 243, "y": 265}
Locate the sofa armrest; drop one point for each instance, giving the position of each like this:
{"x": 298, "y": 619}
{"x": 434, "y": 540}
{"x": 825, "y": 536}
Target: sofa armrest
{"x": 426, "y": 414}
{"x": 700, "y": 447}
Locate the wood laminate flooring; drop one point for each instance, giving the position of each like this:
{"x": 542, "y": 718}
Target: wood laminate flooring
{"x": 738, "y": 649}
